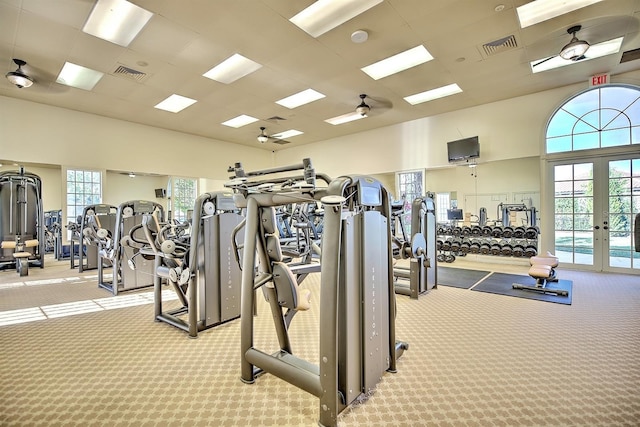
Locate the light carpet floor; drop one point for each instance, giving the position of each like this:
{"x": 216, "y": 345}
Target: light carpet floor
{"x": 475, "y": 359}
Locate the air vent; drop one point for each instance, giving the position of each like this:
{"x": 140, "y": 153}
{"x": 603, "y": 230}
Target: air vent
{"x": 276, "y": 119}
{"x": 630, "y": 55}
{"x": 500, "y": 45}
{"x": 129, "y": 73}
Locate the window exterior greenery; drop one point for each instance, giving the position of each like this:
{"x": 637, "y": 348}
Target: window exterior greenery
{"x": 183, "y": 197}
{"x": 84, "y": 188}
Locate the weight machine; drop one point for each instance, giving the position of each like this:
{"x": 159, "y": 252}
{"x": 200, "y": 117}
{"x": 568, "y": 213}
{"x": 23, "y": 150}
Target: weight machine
{"x": 131, "y": 269}
{"x": 202, "y": 268}
{"x": 421, "y": 275}
{"x": 357, "y": 299}
{"x": 21, "y": 221}
{"x": 94, "y": 217}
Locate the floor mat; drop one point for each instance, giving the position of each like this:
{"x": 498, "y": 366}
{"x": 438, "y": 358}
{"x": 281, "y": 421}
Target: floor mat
{"x": 459, "y": 277}
{"x": 501, "y": 283}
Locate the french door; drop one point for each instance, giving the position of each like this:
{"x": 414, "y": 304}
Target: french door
{"x": 595, "y": 204}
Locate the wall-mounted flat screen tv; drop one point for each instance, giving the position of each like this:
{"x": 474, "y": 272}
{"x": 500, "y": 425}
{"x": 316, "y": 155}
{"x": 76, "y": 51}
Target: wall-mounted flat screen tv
{"x": 462, "y": 149}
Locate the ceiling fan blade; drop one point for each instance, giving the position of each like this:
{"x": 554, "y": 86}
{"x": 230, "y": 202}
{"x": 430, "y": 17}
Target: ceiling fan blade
{"x": 544, "y": 60}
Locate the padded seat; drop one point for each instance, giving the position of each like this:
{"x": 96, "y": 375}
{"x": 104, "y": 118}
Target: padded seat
{"x": 540, "y": 271}
{"x": 21, "y": 254}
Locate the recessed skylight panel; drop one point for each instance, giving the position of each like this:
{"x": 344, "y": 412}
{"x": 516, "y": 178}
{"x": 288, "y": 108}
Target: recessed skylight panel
{"x": 231, "y": 69}
{"x": 175, "y": 103}
{"x": 78, "y": 76}
{"x": 399, "y": 62}
{"x": 325, "y": 15}
{"x": 345, "y": 118}
{"x": 432, "y": 94}
{"x": 287, "y": 134}
{"x": 240, "y": 121}
{"x": 116, "y": 21}
{"x": 538, "y": 11}
{"x": 300, "y": 98}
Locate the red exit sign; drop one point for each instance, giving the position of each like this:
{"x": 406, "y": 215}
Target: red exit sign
{"x": 600, "y": 79}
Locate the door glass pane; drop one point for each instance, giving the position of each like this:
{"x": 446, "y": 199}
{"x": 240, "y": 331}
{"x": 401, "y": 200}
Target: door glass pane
{"x": 564, "y": 246}
{"x": 574, "y": 213}
{"x": 621, "y": 213}
{"x": 583, "y": 241}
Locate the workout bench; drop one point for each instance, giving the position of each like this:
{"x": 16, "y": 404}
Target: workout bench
{"x": 543, "y": 270}
{"x": 20, "y": 254}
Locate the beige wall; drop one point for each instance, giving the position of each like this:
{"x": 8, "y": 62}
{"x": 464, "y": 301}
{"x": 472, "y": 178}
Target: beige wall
{"x": 64, "y": 137}
{"x": 511, "y": 134}
{"x": 50, "y": 177}
{"x": 508, "y": 129}
{"x": 119, "y": 188}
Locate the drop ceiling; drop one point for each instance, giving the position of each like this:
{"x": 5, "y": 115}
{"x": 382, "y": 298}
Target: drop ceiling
{"x": 185, "y": 38}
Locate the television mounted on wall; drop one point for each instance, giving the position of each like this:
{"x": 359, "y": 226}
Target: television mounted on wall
{"x": 463, "y": 149}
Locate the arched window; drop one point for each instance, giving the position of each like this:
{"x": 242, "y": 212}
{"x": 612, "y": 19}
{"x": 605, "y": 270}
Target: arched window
{"x": 607, "y": 116}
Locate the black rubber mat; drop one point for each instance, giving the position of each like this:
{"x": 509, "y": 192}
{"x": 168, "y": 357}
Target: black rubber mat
{"x": 459, "y": 277}
{"x": 501, "y": 283}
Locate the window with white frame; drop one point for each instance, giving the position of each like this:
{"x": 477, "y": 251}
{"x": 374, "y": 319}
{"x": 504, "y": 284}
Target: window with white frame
{"x": 410, "y": 186}
{"x": 84, "y": 188}
{"x": 442, "y": 204}
{"x": 184, "y": 192}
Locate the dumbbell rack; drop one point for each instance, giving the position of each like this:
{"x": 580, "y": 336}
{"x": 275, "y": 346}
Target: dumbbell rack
{"x": 454, "y": 240}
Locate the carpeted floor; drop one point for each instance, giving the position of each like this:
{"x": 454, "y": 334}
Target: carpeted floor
{"x": 475, "y": 359}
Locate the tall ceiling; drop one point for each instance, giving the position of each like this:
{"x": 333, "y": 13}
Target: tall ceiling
{"x": 186, "y": 38}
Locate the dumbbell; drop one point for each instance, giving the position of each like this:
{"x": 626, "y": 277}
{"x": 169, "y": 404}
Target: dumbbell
{"x": 507, "y": 232}
{"x": 440, "y": 257}
{"x": 457, "y": 231}
{"x": 496, "y": 249}
{"x": 466, "y": 231}
{"x": 449, "y": 258}
{"x": 496, "y": 231}
{"x": 476, "y": 230}
{"x": 440, "y": 229}
{"x": 446, "y": 245}
{"x": 506, "y": 249}
{"x": 530, "y": 251}
{"x": 518, "y": 250}
{"x": 474, "y": 248}
{"x": 455, "y": 245}
{"x": 486, "y": 231}
{"x": 531, "y": 232}
{"x": 518, "y": 232}
{"x": 485, "y": 249}
{"x": 439, "y": 244}
{"x": 465, "y": 247}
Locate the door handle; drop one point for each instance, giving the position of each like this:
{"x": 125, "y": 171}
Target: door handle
{"x": 597, "y": 227}
{"x": 605, "y": 227}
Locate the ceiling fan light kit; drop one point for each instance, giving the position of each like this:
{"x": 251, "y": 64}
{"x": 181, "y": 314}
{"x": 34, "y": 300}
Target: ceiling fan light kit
{"x": 363, "y": 109}
{"x": 262, "y": 138}
{"x": 19, "y": 78}
{"x": 576, "y": 48}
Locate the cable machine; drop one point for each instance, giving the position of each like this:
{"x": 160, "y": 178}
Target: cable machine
{"x": 21, "y": 221}
{"x": 131, "y": 269}
{"x": 201, "y": 268}
{"x": 421, "y": 275}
